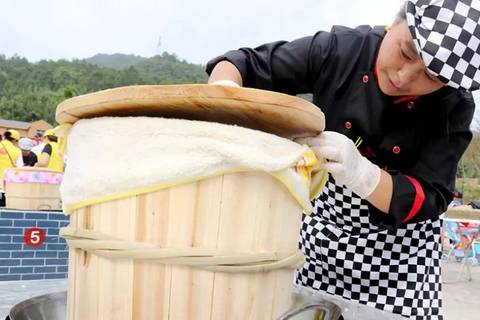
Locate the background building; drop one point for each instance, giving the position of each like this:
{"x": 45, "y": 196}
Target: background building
{"x": 26, "y": 129}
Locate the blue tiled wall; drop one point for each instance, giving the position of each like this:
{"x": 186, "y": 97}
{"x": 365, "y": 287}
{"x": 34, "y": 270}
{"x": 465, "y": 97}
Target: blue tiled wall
{"x": 21, "y": 262}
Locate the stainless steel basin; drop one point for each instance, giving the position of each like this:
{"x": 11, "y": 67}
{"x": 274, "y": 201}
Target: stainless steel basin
{"x": 51, "y": 306}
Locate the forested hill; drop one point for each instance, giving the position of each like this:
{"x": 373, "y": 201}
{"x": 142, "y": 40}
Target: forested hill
{"x": 115, "y": 61}
{"x": 31, "y": 91}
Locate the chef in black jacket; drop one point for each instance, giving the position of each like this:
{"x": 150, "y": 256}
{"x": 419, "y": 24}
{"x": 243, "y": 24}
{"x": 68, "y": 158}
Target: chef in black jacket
{"x": 398, "y": 108}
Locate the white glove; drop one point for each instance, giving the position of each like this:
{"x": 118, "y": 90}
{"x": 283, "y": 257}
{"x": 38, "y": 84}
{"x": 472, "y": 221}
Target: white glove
{"x": 345, "y": 163}
{"x": 227, "y": 83}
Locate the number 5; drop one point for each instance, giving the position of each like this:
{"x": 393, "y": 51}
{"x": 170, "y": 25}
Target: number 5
{"x": 35, "y": 237}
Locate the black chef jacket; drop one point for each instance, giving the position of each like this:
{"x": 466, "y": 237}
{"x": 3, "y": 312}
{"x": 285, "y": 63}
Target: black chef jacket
{"x": 419, "y": 141}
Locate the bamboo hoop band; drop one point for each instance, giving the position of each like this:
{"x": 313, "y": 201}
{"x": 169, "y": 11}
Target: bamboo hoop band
{"x": 214, "y": 260}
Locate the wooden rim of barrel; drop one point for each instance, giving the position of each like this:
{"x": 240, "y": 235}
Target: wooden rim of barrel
{"x": 280, "y": 114}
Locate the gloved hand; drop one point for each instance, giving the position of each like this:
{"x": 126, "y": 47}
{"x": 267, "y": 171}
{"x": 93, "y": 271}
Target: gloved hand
{"x": 228, "y": 83}
{"x": 344, "y": 162}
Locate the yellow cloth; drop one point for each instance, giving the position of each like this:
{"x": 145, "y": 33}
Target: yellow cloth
{"x": 61, "y": 132}
{"x": 49, "y": 132}
{"x": 55, "y": 162}
{"x": 14, "y": 134}
{"x": 9, "y": 154}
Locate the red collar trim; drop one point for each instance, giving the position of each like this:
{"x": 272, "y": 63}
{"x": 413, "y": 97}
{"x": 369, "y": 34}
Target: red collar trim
{"x": 404, "y": 98}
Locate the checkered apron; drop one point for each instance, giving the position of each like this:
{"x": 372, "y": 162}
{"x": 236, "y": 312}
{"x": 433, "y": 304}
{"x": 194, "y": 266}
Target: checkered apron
{"x": 346, "y": 256}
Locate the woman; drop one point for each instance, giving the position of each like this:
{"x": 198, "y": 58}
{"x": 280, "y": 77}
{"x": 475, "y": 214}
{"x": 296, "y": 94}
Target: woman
{"x": 398, "y": 108}
{"x": 51, "y": 157}
{"x": 29, "y": 158}
{"x": 10, "y": 154}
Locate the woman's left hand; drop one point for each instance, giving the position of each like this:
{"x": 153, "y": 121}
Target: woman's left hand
{"x": 344, "y": 162}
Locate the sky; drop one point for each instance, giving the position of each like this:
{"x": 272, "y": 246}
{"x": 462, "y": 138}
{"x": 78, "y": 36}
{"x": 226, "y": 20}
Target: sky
{"x": 194, "y": 30}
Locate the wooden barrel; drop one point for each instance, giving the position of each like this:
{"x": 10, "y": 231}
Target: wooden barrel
{"x": 246, "y": 212}
{"x": 30, "y": 188}
{"x": 241, "y": 212}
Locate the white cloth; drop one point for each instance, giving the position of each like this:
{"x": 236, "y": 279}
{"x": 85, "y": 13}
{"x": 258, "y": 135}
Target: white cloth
{"x": 26, "y": 144}
{"x": 110, "y": 155}
{"x": 38, "y": 149}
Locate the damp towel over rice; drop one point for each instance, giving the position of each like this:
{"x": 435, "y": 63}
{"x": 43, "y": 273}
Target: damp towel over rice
{"x": 114, "y": 157}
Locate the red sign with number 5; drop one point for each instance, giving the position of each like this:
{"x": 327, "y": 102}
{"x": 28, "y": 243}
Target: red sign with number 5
{"x": 34, "y": 237}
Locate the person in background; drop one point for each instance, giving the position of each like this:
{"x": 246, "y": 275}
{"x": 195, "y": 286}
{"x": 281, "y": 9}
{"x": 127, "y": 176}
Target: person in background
{"x": 398, "y": 108}
{"x": 50, "y": 157}
{"x": 38, "y": 138}
{"x": 39, "y": 144}
{"x": 457, "y": 199}
{"x": 29, "y": 157}
{"x": 450, "y": 227}
{"x": 10, "y": 154}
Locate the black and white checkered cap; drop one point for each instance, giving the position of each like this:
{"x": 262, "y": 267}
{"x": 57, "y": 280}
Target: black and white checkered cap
{"x": 447, "y": 36}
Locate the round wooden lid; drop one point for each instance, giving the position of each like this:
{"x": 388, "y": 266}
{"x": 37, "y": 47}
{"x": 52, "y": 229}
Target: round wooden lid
{"x": 280, "y": 114}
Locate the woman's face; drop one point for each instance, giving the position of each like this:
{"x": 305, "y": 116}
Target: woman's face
{"x": 400, "y": 69}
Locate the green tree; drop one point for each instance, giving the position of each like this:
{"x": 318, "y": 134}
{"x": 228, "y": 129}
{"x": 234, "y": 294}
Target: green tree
{"x": 31, "y": 91}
